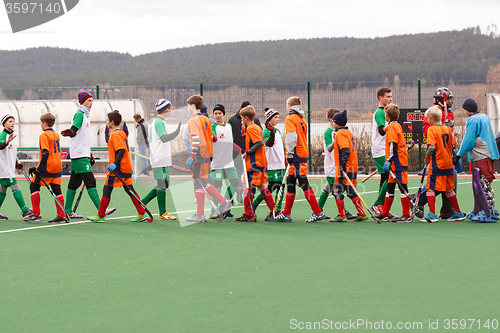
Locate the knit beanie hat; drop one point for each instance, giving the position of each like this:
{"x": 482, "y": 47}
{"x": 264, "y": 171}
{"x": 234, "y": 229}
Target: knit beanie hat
{"x": 7, "y": 117}
{"x": 470, "y": 105}
{"x": 244, "y": 104}
{"x": 83, "y": 96}
{"x": 340, "y": 118}
{"x": 204, "y": 110}
{"x": 270, "y": 113}
{"x": 162, "y": 105}
{"x": 219, "y": 107}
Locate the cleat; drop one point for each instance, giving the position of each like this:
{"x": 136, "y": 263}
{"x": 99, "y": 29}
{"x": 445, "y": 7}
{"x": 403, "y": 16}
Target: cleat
{"x": 3, "y": 217}
{"x": 339, "y": 219}
{"x": 360, "y": 218}
{"x": 167, "y": 216}
{"x": 33, "y": 218}
{"x": 269, "y": 217}
{"x": 402, "y": 219}
{"x": 58, "y": 219}
{"x": 316, "y": 217}
{"x": 196, "y": 218}
{"x": 375, "y": 209}
{"x": 246, "y": 218}
{"x": 228, "y": 214}
{"x": 96, "y": 218}
{"x": 213, "y": 216}
{"x": 349, "y": 215}
{"x": 283, "y": 218}
{"x": 140, "y": 218}
{"x": 381, "y": 217}
{"x": 430, "y": 218}
{"x": 456, "y": 217}
{"x": 109, "y": 211}
{"x": 27, "y": 214}
{"x": 228, "y": 204}
{"x": 73, "y": 215}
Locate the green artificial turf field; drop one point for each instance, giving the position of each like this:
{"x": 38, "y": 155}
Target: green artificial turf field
{"x": 171, "y": 276}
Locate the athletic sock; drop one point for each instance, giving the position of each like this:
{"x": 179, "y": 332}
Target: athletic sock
{"x": 20, "y": 200}
{"x": 381, "y": 194}
{"x": 35, "y": 202}
{"x": 258, "y": 199}
{"x": 2, "y": 197}
{"x": 454, "y": 202}
{"x": 200, "y": 201}
{"x": 340, "y": 207}
{"x": 269, "y": 199}
{"x": 94, "y": 196}
{"x": 212, "y": 191}
{"x": 311, "y": 198}
{"x": 405, "y": 202}
{"x": 229, "y": 192}
{"x": 60, "y": 212}
{"x": 247, "y": 200}
{"x": 359, "y": 206}
{"x": 290, "y": 198}
{"x": 70, "y": 197}
{"x": 150, "y": 196}
{"x": 322, "y": 199}
{"x": 387, "y": 205}
{"x": 431, "y": 202}
{"x": 137, "y": 205}
{"x": 102, "y": 206}
{"x": 161, "y": 197}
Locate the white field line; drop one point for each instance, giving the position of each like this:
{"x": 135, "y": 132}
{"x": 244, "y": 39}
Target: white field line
{"x": 183, "y": 224}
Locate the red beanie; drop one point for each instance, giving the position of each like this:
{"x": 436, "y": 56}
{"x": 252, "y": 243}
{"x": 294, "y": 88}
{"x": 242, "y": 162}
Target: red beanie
{"x": 83, "y": 96}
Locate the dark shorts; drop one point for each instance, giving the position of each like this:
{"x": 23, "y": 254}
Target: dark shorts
{"x": 486, "y": 168}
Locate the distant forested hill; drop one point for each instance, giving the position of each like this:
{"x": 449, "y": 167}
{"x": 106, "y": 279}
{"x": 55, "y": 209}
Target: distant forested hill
{"x": 457, "y": 55}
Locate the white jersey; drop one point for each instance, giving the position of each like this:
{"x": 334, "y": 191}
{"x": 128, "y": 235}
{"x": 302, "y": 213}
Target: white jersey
{"x": 378, "y": 141}
{"x": 79, "y": 145}
{"x": 160, "y": 153}
{"x": 275, "y": 155}
{"x": 8, "y": 157}
{"x": 329, "y": 163}
{"x": 223, "y": 148}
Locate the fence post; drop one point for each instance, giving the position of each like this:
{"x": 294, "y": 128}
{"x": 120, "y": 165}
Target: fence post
{"x": 96, "y": 92}
{"x": 309, "y": 124}
{"x": 201, "y": 89}
{"x": 419, "y": 145}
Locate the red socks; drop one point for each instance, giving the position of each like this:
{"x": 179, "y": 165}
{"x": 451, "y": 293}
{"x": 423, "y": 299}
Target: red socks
{"x": 387, "y": 205}
{"x": 102, "y": 207}
{"x": 137, "y": 205}
{"x": 311, "y": 198}
{"x": 405, "y": 202}
{"x": 248, "y": 202}
{"x": 212, "y": 191}
{"x": 431, "y": 201}
{"x": 269, "y": 198}
{"x": 359, "y": 207}
{"x": 341, "y": 207}
{"x": 453, "y": 200}
{"x": 60, "y": 212}
{"x": 200, "y": 201}
{"x": 290, "y": 198}
{"x": 35, "y": 203}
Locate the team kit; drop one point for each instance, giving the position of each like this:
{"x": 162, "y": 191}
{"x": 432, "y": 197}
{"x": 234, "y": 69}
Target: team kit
{"x": 271, "y": 163}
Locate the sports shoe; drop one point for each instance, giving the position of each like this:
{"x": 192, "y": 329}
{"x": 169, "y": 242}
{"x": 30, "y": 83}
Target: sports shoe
{"x": 402, "y": 219}
{"x": 375, "y": 209}
{"x": 58, "y": 219}
{"x": 109, "y": 211}
{"x": 456, "y": 217}
{"x": 339, "y": 219}
{"x": 27, "y": 214}
{"x": 420, "y": 211}
{"x": 196, "y": 218}
{"x": 229, "y": 214}
{"x": 140, "y": 218}
{"x": 73, "y": 215}
{"x": 226, "y": 207}
{"x": 315, "y": 217}
{"x": 381, "y": 217}
{"x": 3, "y": 217}
{"x": 167, "y": 216}
{"x": 283, "y": 218}
{"x": 213, "y": 216}
{"x": 33, "y": 218}
{"x": 325, "y": 217}
{"x": 349, "y": 215}
{"x": 96, "y": 218}
{"x": 360, "y": 218}
{"x": 430, "y": 218}
{"x": 246, "y": 218}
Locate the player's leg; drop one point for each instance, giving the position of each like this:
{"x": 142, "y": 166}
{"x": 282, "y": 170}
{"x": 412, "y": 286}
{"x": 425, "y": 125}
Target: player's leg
{"x": 90, "y": 185}
{"x": 162, "y": 177}
{"x": 325, "y": 192}
{"x": 338, "y": 194}
{"x": 157, "y": 175}
{"x": 389, "y": 198}
{"x": 18, "y": 196}
{"x": 104, "y": 202}
{"x": 384, "y": 176}
{"x": 249, "y": 215}
{"x": 75, "y": 180}
{"x": 357, "y": 203}
{"x": 286, "y": 215}
{"x": 55, "y": 185}
{"x": 141, "y": 213}
{"x": 35, "y": 200}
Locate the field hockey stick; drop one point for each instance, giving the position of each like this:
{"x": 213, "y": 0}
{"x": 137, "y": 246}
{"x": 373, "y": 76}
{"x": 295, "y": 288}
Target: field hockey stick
{"x": 417, "y": 197}
{"x": 173, "y": 166}
{"x": 245, "y": 174}
{"x": 280, "y": 192}
{"x": 55, "y": 198}
{"x": 79, "y": 198}
{"x": 24, "y": 172}
{"x": 219, "y": 217}
{"x": 357, "y": 193}
{"x": 150, "y": 219}
{"x": 445, "y": 106}
{"x": 369, "y": 176}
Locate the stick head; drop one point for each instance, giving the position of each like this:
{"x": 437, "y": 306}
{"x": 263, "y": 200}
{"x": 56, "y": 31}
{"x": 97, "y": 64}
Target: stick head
{"x": 150, "y": 220}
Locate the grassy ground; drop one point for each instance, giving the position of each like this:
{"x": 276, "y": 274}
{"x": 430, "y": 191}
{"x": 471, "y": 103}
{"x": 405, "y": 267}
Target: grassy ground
{"x": 243, "y": 277}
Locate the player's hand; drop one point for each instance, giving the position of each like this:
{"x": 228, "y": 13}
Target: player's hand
{"x": 244, "y": 156}
{"x": 189, "y": 162}
{"x": 456, "y": 158}
{"x": 18, "y": 165}
{"x": 111, "y": 167}
{"x": 67, "y": 132}
{"x": 33, "y": 171}
{"x": 214, "y": 138}
{"x": 270, "y": 127}
{"x": 243, "y": 129}
{"x": 387, "y": 166}
{"x": 92, "y": 160}
{"x": 11, "y": 137}
{"x": 290, "y": 160}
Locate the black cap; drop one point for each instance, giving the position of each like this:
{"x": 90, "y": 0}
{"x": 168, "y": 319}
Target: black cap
{"x": 470, "y": 105}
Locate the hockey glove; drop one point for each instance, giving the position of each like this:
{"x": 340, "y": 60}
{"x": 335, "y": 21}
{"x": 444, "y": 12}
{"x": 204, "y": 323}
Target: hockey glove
{"x": 387, "y": 166}
{"x": 189, "y": 162}
{"x": 290, "y": 160}
{"x": 111, "y": 167}
{"x": 19, "y": 166}
{"x": 456, "y": 158}
{"x": 92, "y": 161}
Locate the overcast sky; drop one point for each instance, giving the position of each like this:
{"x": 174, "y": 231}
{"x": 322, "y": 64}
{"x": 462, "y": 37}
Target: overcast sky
{"x": 145, "y": 26}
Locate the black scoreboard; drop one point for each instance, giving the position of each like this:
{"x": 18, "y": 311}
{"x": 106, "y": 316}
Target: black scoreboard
{"x": 412, "y": 122}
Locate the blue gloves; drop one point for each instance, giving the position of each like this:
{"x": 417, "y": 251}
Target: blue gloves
{"x": 111, "y": 167}
{"x": 189, "y": 162}
{"x": 387, "y": 166}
